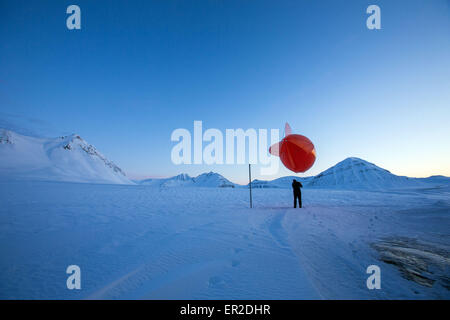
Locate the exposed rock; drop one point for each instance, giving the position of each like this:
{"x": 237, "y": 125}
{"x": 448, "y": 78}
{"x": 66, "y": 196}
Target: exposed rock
{"x": 423, "y": 263}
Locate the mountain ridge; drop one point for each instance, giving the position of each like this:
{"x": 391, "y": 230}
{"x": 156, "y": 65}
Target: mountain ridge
{"x": 70, "y": 158}
{"x": 65, "y": 158}
{"x": 356, "y": 173}
{"x": 350, "y": 173}
{"x": 210, "y": 179}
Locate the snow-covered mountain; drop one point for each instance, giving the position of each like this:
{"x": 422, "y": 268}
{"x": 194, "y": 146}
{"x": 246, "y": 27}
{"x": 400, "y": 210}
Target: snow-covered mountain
{"x": 181, "y": 180}
{"x": 68, "y": 158}
{"x": 354, "y": 173}
{"x": 213, "y": 179}
{"x": 357, "y": 173}
{"x": 351, "y": 173}
{"x": 434, "y": 179}
{"x": 210, "y": 180}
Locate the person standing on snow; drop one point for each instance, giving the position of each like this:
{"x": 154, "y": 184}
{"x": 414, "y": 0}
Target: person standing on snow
{"x": 296, "y": 185}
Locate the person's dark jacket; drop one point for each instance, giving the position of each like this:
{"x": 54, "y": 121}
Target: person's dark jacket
{"x": 296, "y": 185}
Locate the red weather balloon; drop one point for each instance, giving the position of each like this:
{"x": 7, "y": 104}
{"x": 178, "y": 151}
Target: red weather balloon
{"x": 295, "y": 151}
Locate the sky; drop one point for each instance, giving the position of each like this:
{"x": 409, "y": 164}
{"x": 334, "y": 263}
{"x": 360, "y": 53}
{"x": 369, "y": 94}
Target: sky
{"x": 138, "y": 70}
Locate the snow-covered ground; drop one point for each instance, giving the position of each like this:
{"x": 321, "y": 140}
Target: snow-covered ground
{"x": 147, "y": 242}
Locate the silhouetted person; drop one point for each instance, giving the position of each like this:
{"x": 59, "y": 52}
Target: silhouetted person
{"x": 296, "y": 185}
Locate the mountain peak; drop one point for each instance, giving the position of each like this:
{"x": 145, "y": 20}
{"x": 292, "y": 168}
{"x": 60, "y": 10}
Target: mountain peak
{"x": 353, "y": 160}
{"x": 208, "y": 174}
{"x": 213, "y": 179}
{"x": 209, "y": 179}
{"x": 66, "y": 158}
{"x": 182, "y": 176}
{"x": 355, "y": 172}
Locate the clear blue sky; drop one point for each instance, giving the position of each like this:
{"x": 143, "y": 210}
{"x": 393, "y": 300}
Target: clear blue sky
{"x": 137, "y": 70}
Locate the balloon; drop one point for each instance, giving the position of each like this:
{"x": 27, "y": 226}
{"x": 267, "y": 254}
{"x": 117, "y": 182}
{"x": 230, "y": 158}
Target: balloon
{"x": 295, "y": 151}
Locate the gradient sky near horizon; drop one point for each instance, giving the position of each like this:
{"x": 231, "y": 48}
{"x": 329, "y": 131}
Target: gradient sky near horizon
{"x": 137, "y": 70}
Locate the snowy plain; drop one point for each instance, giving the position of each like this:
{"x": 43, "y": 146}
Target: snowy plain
{"x": 63, "y": 203}
{"x": 146, "y": 242}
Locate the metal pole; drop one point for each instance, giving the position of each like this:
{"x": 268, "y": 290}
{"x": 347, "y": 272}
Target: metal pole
{"x": 250, "y": 183}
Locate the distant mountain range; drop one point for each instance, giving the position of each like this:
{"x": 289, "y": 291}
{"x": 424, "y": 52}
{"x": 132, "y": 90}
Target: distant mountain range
{"x": 351, "y": 173}
{"x": 354, "y": 173}
{"x": 70, "y": 158}
{"x": 209, "y": 180}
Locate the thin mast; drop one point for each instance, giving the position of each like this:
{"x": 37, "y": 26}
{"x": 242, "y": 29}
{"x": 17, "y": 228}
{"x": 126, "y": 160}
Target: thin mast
{"x": 250, "y": 183}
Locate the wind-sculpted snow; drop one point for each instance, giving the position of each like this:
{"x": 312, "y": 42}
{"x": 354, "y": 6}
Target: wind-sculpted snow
{"x": 68, "y": 158}
{"x": 146, "y": 242}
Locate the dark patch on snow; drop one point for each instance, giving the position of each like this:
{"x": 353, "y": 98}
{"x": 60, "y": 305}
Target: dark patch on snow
{"x": 423, "y": 263}
{"x": 5, "y": 137}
